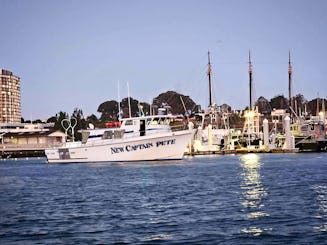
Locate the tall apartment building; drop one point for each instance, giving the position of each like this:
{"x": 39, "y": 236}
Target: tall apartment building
{"x": 10, "y": 107}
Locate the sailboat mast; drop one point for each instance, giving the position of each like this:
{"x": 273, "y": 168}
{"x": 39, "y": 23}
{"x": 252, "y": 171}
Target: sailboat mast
{"x": 210, "y": 84}
{"x": 290, "y": 100}
{"x": 250, "y": 80}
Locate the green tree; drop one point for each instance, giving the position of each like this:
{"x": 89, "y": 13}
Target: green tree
{"x": 236, "y": 121}
{"x": 92, "y": 119}
{"x": 80, "y": 123}
{"x": 57, "y": 120}
{"x": 299, "y": 102}
{"x": 279, "y": 102}
{"x": 109, "y": 111}
{"x": 312, "y": 108}
{"x": 263, "y": 105}
{"x": 52, "y": 119}
{"x": 145, "y": 107}
{"x": 134, "y": 107}
{"x": 225, "y": 108}
{"x": 173, "y": 99}
{"x": 37, "y": 121}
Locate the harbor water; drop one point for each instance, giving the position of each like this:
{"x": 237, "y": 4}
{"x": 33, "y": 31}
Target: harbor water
{"x": 231, "y": 199}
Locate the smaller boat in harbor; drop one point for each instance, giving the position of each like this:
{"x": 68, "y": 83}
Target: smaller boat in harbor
{"x": 136, "y": 139}
{"x": 310, "y": 134}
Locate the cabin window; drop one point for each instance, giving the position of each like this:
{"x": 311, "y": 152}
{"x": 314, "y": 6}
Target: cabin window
{"x": 129, "y": 122}
{"x": 64, "y": 154}
{"x": 167, "y": 121}
{"x": 85, "y": 136}
{"x": 154, "y": 122}
{"x": 107, "y": 135}
{"x": 118, "y": 134}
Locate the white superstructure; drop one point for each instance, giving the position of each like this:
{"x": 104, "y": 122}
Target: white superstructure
{"x": 137, "y": 139}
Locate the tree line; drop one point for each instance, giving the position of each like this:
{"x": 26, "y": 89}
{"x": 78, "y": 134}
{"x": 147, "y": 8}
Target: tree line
{"x": 176, "y": 103}
{"x": 299, "y": 104}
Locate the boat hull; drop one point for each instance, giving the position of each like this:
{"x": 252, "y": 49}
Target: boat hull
{"x": 165, "y": 146}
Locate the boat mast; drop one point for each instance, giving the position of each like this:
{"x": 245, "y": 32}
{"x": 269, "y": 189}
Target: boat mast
{"x": 210, "y": 84}
{"x": 119, "y": 115}
{"x": 290, "y": 100}
{"x": 250, "y": 79}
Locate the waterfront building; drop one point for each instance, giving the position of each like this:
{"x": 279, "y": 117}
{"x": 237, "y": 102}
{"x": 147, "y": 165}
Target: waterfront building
{"x": 27, "y": 139}
{"x": 33, "y": 139}
{"x": 30, "y": 133}
{"x": 10, "y": 105}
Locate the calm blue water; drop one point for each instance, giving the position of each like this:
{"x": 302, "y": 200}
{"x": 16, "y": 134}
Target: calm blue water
{"x": 243, "y": 199}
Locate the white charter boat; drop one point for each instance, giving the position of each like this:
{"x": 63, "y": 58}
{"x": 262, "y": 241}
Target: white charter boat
{"x": 137, "y": 139}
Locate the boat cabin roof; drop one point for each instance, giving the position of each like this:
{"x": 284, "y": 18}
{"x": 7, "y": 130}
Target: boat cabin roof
{"x": 156, "y": 119}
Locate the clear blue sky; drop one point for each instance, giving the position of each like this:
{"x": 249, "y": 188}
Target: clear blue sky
{"x": 72, "y": 53}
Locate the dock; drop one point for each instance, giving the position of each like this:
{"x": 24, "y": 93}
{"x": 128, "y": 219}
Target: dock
{"x": 20, "y": 151}
{"x": 243, "y": 151}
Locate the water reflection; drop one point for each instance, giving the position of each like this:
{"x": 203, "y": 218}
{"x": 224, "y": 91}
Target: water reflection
{"x": 253, "y": 192}
{"x": 321, "y": 199}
